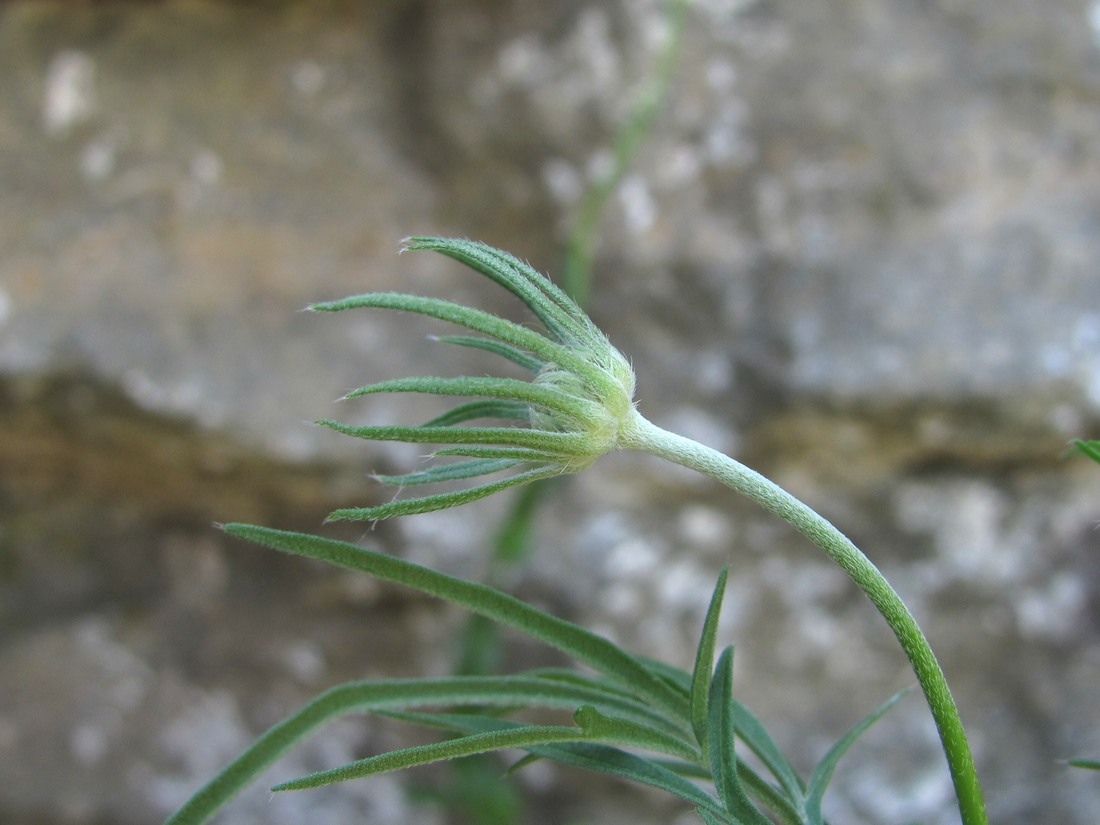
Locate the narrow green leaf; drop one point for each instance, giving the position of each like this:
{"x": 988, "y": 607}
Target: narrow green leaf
{"x": 785, "y": 803}
{"x": 676, "y": 678}
{"x": 573, "y": 677}
{"x": 572, "y": 330}
{"x": 504, "y": 410}
{"x": 610, "y": 760}
{"x": 507, "y": 389}
{"x": 521, "y": 763}
{"x": 515, "y": 538}
{"x": 1089, "y": 448}
{"x": 566, "y": 444}
{"x": 589, "y": 756}
{"x": 638, "y": 725}
{"x": 752, "y": 733}
{"x": 758, "y": 788}
{"x": 1086, "y": 764}
{"x": 522, "y": 737}
{"x": 785, "y": 810}
{"x": 710, "y": 818}
{"x": 514, "y": 453}
{"x": 720, "y": 737}
{"x": 561, "y": 317}
{"x": 688, "y": 770}
{"x": 477, "y": 320}
{"x": 377, "y": 696}
{"x": 478, "y": 648}
{"x": 449, "y": 472}
{"x": 475, "y": 256}
{"x": 704, "y": 662}
{"x": 440, "y": 501}
{"x": 620, "y": 731}
{"x": 621, "y": 700}
{"x": 582, "y": 645}
{"x": 823, "y": 772}
{"x": 516, "y": 356}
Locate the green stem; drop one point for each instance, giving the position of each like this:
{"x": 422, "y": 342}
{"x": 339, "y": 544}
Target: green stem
{"x": 582, "y": 240}
{"x": 642, "y": 435}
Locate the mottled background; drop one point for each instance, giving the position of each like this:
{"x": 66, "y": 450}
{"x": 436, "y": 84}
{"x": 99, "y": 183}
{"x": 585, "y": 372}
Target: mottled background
{"x": 859, "y": 251}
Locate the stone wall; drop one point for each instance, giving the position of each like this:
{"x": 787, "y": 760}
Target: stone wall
{"x": 858, "y": 251}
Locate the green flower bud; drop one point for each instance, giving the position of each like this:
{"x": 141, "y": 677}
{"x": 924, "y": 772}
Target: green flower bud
{"x": 572, "y": 411}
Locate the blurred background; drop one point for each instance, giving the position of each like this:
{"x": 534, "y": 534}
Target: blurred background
{"x": 856, "y": 247}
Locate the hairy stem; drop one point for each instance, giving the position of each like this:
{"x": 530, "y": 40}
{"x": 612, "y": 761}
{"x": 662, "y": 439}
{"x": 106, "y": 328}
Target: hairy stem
{"x": 642, "y": 435}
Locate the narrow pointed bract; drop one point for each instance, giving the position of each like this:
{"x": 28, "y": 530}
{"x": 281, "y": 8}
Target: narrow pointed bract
{"x": 569, "y": 414}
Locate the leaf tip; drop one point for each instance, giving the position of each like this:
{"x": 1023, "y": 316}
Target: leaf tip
{"x": 412, "y": 243}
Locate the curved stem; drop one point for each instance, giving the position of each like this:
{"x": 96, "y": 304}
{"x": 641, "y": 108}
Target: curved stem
{"x": 642, "y": 435}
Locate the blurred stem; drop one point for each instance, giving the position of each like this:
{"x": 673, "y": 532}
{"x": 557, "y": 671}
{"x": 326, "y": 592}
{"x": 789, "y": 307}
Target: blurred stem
{"x": 642, "y": 435}
{"x": 579, "y": 252}
{"x": 479, "y": 645}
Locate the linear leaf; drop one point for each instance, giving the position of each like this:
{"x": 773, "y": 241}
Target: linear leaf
{"x": 622, "y": 701}
{"x": 709, "y": 818}
{"x": 552, "y": 291}
{"x": 823, "y": 771}
{"x": 532, "y": 690}
{"x": 505, "y": 410}
{"x": 786, "y": 811}
{"x": 377, "y": 696}
{"x": 1089, "y": 448}
{"x": 521, "y": 737}
{"x": 474, "y": 255}
{"x": 516, "y": 356}
{"x": 595, "y": 682}
{"x": 521, "y": 763}
{"x": 450, "y": 472}
{"x": 441, "y": 501}
{"x": 620, "y": 731}
{"x": 720, "y": 737}
{"x": 515, "y": 535}
{"x": 1086, "y": 764}
{"x": 689, "y": 770}
{"x": 582, "y": 645}
{"x": 704, "y": 662}
{"x": 752, "y": 733}
{"x": 557, "y": 312}
{"x": 514, "y": 453}
{"x": 563, "y": 319}
{"x": 606, "y": 759}
{"x": 508, "y": 389}
{"x": 566, "y": 444}
{"x": 677, "y": 679}
{"x": 596, "y": 724}
{"x": 475, "y": 319}
{"x": 589, "y": 756}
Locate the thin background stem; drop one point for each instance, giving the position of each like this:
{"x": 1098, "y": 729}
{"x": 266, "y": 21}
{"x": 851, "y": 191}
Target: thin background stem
{"x": 576, "y": 278}
{"x": 647, "y": 437}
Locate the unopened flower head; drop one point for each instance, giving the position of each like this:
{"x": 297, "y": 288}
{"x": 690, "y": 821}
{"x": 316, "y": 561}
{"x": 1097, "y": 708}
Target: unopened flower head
{"x": 571, "y": 412}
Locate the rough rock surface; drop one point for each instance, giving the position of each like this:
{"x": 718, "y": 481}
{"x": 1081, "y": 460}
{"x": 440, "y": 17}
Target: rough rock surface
{"x": 858, "y": 251}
